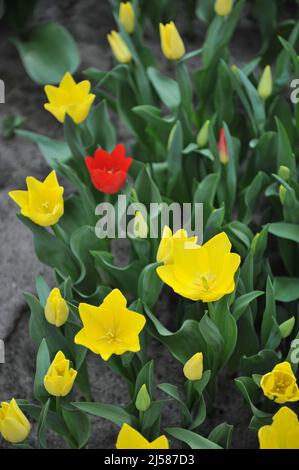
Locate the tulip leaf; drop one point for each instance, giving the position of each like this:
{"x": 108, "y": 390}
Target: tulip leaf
{"x": 78, "y": 424}
{"x": 269, "y": 312}
{"x": 42, "y": 425}
{"x": 286, "y": 289}
{"x": 43, "y": 290}
{"x": 174, "y": 156}
{"x": 42, "y": 365}
{"x": 149, "y": 285}
{"x": 260, "y": 363}
{"x": 285, "y": 230}
{"x": 167, "y": 89}
{"x": 222, "y": 435}
{"x": 242, "y": 302}
{"x": 173, "y": 392}
{"x": 145, "y": 377}
{"x": 100, "y": 127}
{"x": 192, "y": 439}
{"x": 249, "y": 390}
{"x": 42, "y": 54}
{"x": 285, "y": 154}
{"x": 113, "y": 413}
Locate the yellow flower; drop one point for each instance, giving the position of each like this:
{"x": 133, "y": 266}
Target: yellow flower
{"x": 193, "y": 368}
{"x": 280, "y": 384}
{"x": 110, "y": 328}
{"x": 69, "y": 98}
{"x": 199, "y": 272}
{"x": 127, "y": 16}
{"x": 60, "y": 378}
{"x": 129, "y": 438}
{"x": 119, "y": 48}
{"x": 140, "y": 227}
{"x": 56, "y": 309}
{"x": 42, "y": 202}
{"x": 223, "y": 7}
{"x": 169, "y": 242}
{"x": 171, "y": 42}
{"x": 14, "y": 426}
{"x": 283, "y": 432}
{"x": 265, "y": 85}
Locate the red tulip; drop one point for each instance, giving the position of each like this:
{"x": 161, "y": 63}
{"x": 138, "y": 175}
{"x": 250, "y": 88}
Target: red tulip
{"x": 108, "y": 171}
{"x": 222, "y": 147}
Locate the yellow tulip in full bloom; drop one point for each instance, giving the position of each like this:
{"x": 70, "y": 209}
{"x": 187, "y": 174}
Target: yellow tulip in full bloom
{"x": 69, "y": 98}
{"x": 223, "y": 7}
{"x": 119, "y": 48}
{"x": 193, "y": 368}
{"x": 60, "y": 378}
{"x": 198, "y": 272}
{"x": 127, "y": 16}
{"x": 280, "y": 385}
{"x": 129, "y": 438}
{"x": 283, "y": 433}
{"x": 110, "y": 328}
{"x": 56, "y": 308}
{"x": 42, "y": 202}
{"x": 14, "y": 426}
{"x": 171, "y": 42}
{"x": 265, "y": 85}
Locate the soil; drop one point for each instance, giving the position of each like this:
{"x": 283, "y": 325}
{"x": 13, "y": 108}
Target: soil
{"x": 89, "y": 22}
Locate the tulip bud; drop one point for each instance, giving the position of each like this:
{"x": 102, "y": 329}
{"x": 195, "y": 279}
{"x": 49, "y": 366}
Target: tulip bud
{"x": 286, "y": 327}
{"x": 203, "y": 135}
{"x": 143, "y": 400}
{"x": 60, "y": 378}
{"x": 14, "y": 426}
{"x": 284, "y": 172}
{"x": 223, "y": 7}
{"x": 56, "y": 309}
{"x": 265, "y": 84}
{"x": 171, "y": 42}
{"x": 127, "y": 16}
{"x": 119, "y": 48}
{"x": 234, "y": 69}
{"x": 140, "y": 227}
{"x": 282, "y": 193}
{"x": 222, "y": 147}
{"x": 254, "y": 241}
{"x": 193, "y": 368}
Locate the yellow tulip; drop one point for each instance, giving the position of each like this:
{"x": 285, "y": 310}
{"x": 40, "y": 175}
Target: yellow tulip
{"x": 280, "y": 385}
{"x": 169, "y": 242}
{"x": 140, "y": 227}
{"x": 193, "y": 368}
{"x": 69, "y": 98}
{"x": 119, "y": 48}
{"x": 223, "y": 7}
{"x": 56, "y": 308}
{"x": 127, "y": 16}
{"x": 60, "y": 378}
{"x": 14, "y": 426}
{"x": 283, "y": 433}
{"x": 171, "y": 42}
{"x": 199, "y": 272}
{"x": 129, "y": 438}
{"x": 42, "y": 202}
{"x": 110, "y": 328}
{"x": 265, "y": 85}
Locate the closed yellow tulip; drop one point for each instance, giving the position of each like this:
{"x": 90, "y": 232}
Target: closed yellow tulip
{"x": 193, "y": 368}
{"x": 171, "y": 42}
{"x": 69, "y": 98}
{"x": 223, "y": 7}
{"x": 127, "y": 16}
{"x": 283, "y": 433}
{"x": 56, "y": 308}
{"x": 60, "y": 378}
{"x": 42, "y": 202}
{"x": 280, "y": 385}
{"x": 14, "y": 426}
{"x": 265, "y": 85}
{"x": 129, "y": 438}
{"x": 119, "y": 48}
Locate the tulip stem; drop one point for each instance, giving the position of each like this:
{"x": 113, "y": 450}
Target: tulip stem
{"x": 190, "y": 394}
{"x": 58, "y": 406}
{"x": 57, "y": 232}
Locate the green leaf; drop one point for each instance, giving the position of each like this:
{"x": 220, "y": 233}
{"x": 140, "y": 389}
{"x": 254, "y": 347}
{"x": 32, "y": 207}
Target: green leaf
{"x": 78, "y": 424}
{"x": 285, "y": 230}
{"x": 42, "y": 425}
{"x": 174, "y": 156}
{"x": 100, "y": 126}
{"x": 145, "y": 377}
{"x": 285, "y": 155}
{"x": 48, "y": 52}
{"x": 42, "y": 365}
{"x": 222, "y": 435}
{"x": 269, "y": 312}
{"x": 193, "y": 440}
{"x": 113, "y": 413}
{"x": 242, "y": 302}
{"x": 167, "y": 89}
{"x": 149, "y": 285}
{"x": 260, "y": 363}
{"x": 43, "y": 290}
{"x": 173, "y": 392}
{"x": 286, "y": 289}
{"x": 249, "y": 389}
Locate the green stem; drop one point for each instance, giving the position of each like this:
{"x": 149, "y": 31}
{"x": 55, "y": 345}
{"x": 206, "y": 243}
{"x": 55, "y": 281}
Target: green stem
{"x": 57, "y": 232}
{"x": 58, "y": 406}
{"x": 190, "y": 394}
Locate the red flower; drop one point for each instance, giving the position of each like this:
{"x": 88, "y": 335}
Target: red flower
{"x": 222, "y": 147}
{"x": 108, "y": 171}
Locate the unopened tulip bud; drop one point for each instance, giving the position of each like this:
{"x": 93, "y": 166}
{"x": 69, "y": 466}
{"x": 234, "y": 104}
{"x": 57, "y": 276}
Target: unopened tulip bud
{"x": 193, "y": 368}
{"x": 284, "y": 172}
{"x": 282, "y": 193}
{"x": 127, "y": 16}
{"x": 265, "y": 84}
{"x": 203, "y": 135}
{"x": 143, "y": 400}
{"x": 140, "y": 227}
{"x": 286, "y": 327}
{"x": 222, "y": 148}
{"x": 171, "y": 42}
{"x": 56, "y": 309}
{"x": 254, "y": 241}
{"x": 223, "y": 7}
{"x": 14, "y": 426}
{"x": 119, "y": 48}
{"x": 60, "y": 378}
